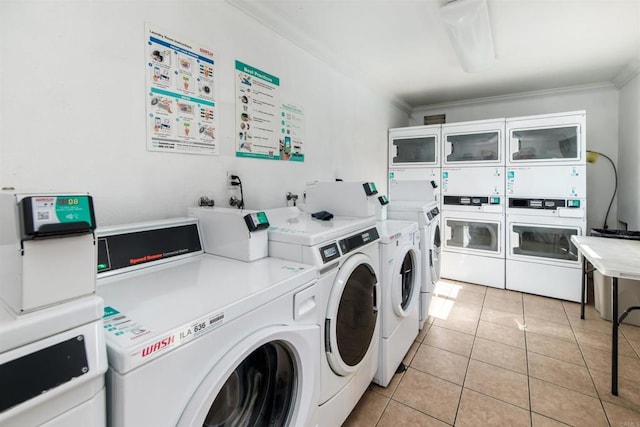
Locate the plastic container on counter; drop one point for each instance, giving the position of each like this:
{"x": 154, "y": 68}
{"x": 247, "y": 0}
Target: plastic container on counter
{"x": 628, "y": 290}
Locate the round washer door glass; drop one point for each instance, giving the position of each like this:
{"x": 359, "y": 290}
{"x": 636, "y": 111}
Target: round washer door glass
{"x": 407, "y": 275}
{"x": 434, "y": 254}
{"x": 259, "y": 392}
{"x": 357, "y": 315}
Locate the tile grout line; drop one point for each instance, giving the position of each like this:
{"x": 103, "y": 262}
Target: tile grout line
{"x": 526, "y": 358}
{"x": 455, "y": 417}
{"x": 593, "y": 382}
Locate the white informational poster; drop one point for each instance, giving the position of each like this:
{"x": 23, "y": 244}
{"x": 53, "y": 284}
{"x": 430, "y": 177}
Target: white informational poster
{"x": 257, "y": 113}
{"x": 181, "y": 105}
{"x": 291, "y": 133}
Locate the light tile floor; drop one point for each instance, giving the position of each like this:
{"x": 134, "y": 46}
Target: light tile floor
{"x": 493, "y": 357}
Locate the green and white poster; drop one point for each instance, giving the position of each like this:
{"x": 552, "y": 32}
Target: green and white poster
{"x": 291, "y": 133}
{"x": 257, "y": 113}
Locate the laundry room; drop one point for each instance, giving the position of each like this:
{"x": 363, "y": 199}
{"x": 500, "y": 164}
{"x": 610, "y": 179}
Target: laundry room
{"x": 359, "y": 224}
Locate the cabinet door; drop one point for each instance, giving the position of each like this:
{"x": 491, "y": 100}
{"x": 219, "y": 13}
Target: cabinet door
{"x": 473, "y": 143}
{"x": 414, "y": 146}
{"x": 552, "y": 140}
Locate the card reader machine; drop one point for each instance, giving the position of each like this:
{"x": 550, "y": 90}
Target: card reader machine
{"x": 233, "y": 233}
{"x": 47, "y": 249}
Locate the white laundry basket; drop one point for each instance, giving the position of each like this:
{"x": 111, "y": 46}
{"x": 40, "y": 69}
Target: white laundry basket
{"x": 628, "y": 295}
{"x": 628, "y": 290}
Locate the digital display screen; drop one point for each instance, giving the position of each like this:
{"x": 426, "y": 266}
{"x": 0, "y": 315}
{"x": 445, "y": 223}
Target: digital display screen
{"x": 329, "y": 252}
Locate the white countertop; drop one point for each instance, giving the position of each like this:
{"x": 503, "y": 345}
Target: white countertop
{"x": 612, "y": 257}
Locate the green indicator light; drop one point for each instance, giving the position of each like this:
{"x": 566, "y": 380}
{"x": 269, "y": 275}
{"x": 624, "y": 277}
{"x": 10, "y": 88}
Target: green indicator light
{"x": 102, "y": 266}
{"x": 373, "y": 187}
{"x": 495, "y": 200}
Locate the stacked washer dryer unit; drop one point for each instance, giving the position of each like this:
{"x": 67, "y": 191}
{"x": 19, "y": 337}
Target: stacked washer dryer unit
{"x": 427, "y": 215}
{"x": 345, "y": 252}
{"x": 52, "y": 349}
{"x": 415, "y": 194}
{"x": 473, "y": 202}
{"x": 414, "y": 155}
{"x": 199, "y": 339}
{"x": 546, "y": 191}
{"x": 400, "y": 267}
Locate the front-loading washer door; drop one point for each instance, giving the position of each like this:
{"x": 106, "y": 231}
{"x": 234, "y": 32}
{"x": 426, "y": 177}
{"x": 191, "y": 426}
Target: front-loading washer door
{"x": 259, "y": 391}
{"x": 435, "y": 252}
{"x": 405, "y": 282}
{"x": 352, "y": 314}
{"x": 263, "y": 381}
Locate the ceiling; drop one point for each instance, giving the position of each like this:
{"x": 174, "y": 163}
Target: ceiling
{"x": 400, "y": 49}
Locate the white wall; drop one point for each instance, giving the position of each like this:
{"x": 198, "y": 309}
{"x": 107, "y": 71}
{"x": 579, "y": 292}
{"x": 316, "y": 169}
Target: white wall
{"x": 629, "y": 155}
{"x": 72, "y": 110}
{"x": 601, "y": 105}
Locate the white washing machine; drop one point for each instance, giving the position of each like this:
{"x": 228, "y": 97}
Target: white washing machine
{"x": 427, "y": 215}
{"x": 52, "y": 365}
{"x": 345, "y": 251}
{"x": 198, "y": 339}
{"x": 400, "y": 272}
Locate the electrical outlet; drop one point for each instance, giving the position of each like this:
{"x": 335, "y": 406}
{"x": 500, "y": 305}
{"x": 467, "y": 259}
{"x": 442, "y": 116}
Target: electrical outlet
{"x": 229, "y": 174}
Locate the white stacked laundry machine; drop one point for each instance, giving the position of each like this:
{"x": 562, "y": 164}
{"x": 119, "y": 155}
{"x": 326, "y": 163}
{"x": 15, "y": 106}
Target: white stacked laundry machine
{"x": 511, "y": 193}
{"x": 400, "y": 267}
{"x": 546, "y": 193}
{"x": 414, "y": 201}
{"x": 52, "y": 347}
{"x": 345, "y": 251}
{"x": 473, "y": 202}
{"x": 414, "y": 155}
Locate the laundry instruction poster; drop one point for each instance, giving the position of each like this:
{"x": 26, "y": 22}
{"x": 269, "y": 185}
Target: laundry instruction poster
{"x": 291, "y": 133}
{"x": 257, "y": 113}
{"x": 180, "y": 95}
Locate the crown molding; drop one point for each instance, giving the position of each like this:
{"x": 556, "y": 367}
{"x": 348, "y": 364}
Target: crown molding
{"x": 630, "y": 71}
{"x": 266, "y": 16}
{"x": 516, "y": 96}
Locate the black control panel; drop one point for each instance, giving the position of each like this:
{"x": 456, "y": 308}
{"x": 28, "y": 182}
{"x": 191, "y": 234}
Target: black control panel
{"x": 358, "y": 240}
{"x": 466, "y": 200}
{"x": 548, "y": 204}
{"x": 128, "y": 249}
{"x": 471, "y": 200}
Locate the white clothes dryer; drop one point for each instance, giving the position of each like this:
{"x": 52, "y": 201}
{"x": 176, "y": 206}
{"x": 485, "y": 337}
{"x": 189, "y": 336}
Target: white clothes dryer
{"x": 52, "y": 366}
{"x": 400, "y": 271}
{"x": 198, "y": 339}
{"x": 427, "y": 215}
{"x": 345, "y": 251}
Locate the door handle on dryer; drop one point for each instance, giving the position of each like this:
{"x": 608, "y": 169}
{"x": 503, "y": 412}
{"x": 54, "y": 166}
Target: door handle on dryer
{"x": 375, "y": 300}
{"x": 515, "y": 240}
{"x": 448, "y": 148}
{"x": 514, "y": 143}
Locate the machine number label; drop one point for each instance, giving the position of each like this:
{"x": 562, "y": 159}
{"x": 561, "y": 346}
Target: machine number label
{"x": 175, "y": 338}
